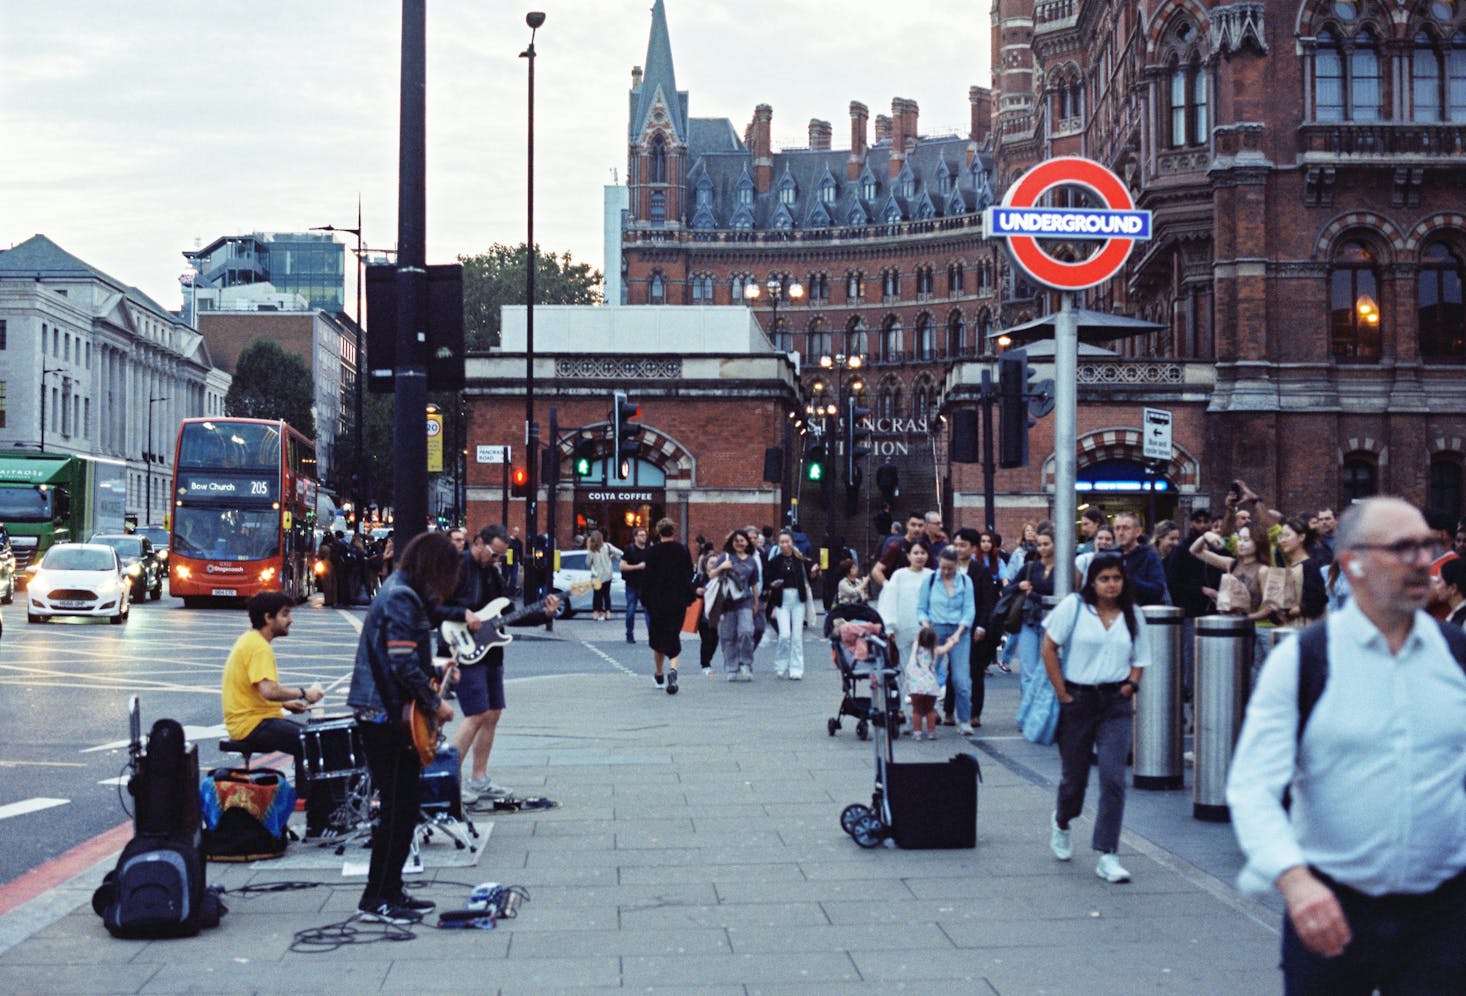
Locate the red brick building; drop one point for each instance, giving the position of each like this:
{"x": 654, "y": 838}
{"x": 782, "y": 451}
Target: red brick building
{"x": 1304, "y": 281}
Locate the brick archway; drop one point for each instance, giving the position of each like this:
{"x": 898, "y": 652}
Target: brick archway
{"x": 1448, "y": 221}
{"x": 1383, "y": 228}
{"x": 1125, "y": 443}
{"x": 654, "y": 446}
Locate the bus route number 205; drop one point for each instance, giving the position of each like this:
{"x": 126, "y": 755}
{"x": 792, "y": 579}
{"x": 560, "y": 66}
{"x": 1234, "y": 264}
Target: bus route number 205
{"x": 259, "y": 487}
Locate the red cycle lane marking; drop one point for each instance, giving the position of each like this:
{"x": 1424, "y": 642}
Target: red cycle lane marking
{"x": 48, "y": 876}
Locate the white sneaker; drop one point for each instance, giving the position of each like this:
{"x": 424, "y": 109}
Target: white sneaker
{"x": 918, "y": 735}
{"x": 1059, "y": 840}
{"x": 1110, "y": 870}
{"x": 965, "y": 729}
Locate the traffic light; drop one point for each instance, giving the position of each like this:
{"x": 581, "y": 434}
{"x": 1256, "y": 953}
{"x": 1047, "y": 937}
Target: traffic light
{"x": 856, "y": 436}
{"x": 550, "y": 467}
{"x": 584, "y": 458}
{"x": 1013, "y": 420}
{"x": 519, "y": 483}
{"x": 816, "y": 463}
{"x": 623, "y": 433}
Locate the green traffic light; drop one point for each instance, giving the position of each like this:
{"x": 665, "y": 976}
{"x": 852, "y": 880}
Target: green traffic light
{"x": 815, "y": 472}
{"x": 582, "y": 467}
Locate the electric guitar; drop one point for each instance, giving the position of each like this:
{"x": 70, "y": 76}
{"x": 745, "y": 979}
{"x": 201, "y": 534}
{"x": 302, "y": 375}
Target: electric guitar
{"x": 471, "y": 648}
{"x": 423, "y": 729}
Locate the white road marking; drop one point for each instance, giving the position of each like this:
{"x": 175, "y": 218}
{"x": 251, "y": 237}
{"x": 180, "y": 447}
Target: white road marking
{"x": 197, "y": 734}
{"x": 608, "y": 658}
{"x": 119, "y": 780}
{"x": 29, "y": 806}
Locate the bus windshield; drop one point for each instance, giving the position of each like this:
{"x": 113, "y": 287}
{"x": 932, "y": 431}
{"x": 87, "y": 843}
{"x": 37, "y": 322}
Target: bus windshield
{"x": 25, "y": 504}
{"x": 226, "y": 533}
{"x": 229, "y": 446}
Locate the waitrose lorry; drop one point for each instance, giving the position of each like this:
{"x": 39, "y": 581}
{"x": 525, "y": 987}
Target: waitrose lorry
{"x": 49, "y": 498}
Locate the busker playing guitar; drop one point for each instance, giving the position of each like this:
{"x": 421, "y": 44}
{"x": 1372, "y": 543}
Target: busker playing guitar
{"x": 393, "y": 669}
{"x": 480, "y": 686}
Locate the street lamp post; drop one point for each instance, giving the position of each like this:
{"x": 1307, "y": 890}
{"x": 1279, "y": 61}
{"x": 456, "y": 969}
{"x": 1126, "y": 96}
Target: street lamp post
{"x": 776, "y": 292}
{"x": 45, "y": 371}
{"x": 829, "y": 401}
{"x": 359, "y": 477}
{"x": 148, "y": 458}
{"x": 534, "y": 19}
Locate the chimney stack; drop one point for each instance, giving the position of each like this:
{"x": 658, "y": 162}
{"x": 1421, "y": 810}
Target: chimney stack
{"x": 981, "y": 99}
{"x": 761, "y": 145}
{"x": 903, "y": 132}
{"x": 858, "y": 115}
{"x": 636, "y": 77}
{"x": 820, "y": 134}
{"x": 883, "y": 129}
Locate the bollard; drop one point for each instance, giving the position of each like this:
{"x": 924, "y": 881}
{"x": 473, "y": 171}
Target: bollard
{"x": 1158, "y": 703}
{"x": 1223, "y": 664}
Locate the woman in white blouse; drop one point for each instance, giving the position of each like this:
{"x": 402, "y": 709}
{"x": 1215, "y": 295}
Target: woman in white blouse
{"x": 897, "y": 604}
{"x": 1094, "y": 651}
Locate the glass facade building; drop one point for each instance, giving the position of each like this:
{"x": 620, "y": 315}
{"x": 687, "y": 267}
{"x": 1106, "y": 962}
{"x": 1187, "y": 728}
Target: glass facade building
{"x": 311, "y": 264}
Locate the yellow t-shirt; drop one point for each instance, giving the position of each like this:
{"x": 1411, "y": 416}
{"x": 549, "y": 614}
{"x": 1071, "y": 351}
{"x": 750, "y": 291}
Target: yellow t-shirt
{"x": 250, "y": 661}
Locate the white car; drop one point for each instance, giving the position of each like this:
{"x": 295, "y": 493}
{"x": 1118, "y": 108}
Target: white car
{"x": 573, "y": 570}
{"x": 79, "y": 579}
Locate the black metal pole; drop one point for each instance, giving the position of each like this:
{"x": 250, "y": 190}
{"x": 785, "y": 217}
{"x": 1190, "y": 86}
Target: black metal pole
{"x": 989, "y": 467}
{"x": 550, "y": 488}
{"x": 363, "y": 485}
{"x": 533, "y": 586}
{"x": 409, "y": 475}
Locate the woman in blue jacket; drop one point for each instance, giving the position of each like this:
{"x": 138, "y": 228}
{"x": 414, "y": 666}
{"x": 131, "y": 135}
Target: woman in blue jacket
{"x": 946, "y": 604}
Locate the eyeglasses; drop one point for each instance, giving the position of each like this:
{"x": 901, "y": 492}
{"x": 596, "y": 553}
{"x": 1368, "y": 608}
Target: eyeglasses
{"x": 1406, "y": 551}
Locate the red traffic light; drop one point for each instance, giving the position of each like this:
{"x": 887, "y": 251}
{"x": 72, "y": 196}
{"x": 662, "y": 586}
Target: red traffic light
{"x": 521, "y": 477}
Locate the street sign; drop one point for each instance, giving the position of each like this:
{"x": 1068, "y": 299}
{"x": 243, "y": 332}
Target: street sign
{"x": 1156, "y": 444}
{"x": 1023, "y": 223}
{"x": 492, "y": 454}
{"x": 435, "y": 443}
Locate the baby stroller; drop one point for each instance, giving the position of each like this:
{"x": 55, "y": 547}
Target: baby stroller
{"x": 856, "y": 656}
{"x": 863, "y": 656}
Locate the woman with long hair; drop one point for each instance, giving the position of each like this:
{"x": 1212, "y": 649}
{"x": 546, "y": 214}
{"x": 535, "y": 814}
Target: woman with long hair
{"x": 666, "y": 589}
{"x": 898, "y": 599}
{"x": 787, "y": 580}
{"x": 738, "y": 568}
{"x": 1037, "y": 710}
{"x": 394, "y": 667}
{"x": 1094, "y": 651}
{"x": 600, "y": 557}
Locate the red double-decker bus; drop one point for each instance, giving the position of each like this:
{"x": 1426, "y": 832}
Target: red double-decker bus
{"x": 244, "y": 498}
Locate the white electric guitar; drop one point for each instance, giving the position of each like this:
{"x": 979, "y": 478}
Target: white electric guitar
{"x": 471, "y": 647}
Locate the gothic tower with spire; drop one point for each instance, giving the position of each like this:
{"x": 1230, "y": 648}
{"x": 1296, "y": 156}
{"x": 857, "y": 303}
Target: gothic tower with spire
{"x": 657, "y": 142}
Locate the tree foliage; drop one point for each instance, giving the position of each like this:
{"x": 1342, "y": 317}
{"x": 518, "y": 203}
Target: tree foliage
{"x": 495, "y": 278}
{"x": 271, "y": 383}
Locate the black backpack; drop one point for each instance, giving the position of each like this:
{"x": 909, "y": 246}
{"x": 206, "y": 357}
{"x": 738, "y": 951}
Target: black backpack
{"x": 157, "y": 890}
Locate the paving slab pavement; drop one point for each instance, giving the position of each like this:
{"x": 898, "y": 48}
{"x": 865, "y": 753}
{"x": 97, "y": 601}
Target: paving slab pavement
{"x": 697, "y": 848}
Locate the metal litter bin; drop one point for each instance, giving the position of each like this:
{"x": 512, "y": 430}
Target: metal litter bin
{"x": 1223, "y": 670}
{"x": 1158, "y": 704}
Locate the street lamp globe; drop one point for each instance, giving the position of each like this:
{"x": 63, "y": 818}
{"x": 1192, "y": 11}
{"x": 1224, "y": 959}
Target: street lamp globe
{"x": 751, "y": 291}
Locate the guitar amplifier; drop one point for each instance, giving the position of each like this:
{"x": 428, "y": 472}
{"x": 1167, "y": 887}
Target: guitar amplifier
{"x": 438, "y": 786}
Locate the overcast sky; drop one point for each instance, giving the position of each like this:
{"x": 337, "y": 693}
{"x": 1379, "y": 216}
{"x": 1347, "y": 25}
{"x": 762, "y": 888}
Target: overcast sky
{"x": 134, "y": 131}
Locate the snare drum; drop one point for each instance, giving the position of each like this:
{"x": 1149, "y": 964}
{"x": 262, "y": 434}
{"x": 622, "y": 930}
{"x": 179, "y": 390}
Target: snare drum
{"x": 332, "y": 747}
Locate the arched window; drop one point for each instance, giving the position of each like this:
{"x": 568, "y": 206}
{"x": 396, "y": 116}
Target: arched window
{"x": 891, "y": 340}
{"x": 857, "y": 342}
{"x": 956, "y": 333}
{"x": 659, "y": 208}
{"x": 1427, "y": 79}
{"x": 1359, "y": 477}
{"x": 1197, "y": 99}
{"x": 1178, "y": 103}
{"x": 984, "y": 329}
{"x": 783, "y": 337}
{"x": 1456, "y": 79}
{"x": 854, "y": 286}
{"x": 658, "y": 160}
{"x": 923, "y": 400}
{"x": 956, "y": 278}
{"x": 1328, "y": 79}
{"x": 926, "y": 338}
{"x": 891, "y": 283}
{"x": 1354, "y": 304}
{"x": 888, "y": 399}
{"x": 658, "y": 292}
{"x": 818, "y": 340}
{"x": 1438, "y": 302}
{"x": 735, "y": 289}
{"x": 1444, "y": 488}
{"x": 1365, "y": 83}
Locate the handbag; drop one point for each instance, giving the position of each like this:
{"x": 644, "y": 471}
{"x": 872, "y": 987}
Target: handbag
{"x": 691, "y": 616}
{"x": 1233, "y": 596}
{"x": 1008, "y": 611}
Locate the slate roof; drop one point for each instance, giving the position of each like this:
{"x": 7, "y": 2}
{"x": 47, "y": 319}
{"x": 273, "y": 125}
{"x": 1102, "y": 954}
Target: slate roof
{"x": 658, "y": 74}
{"x": 722, "y": 168}
{"x": 39, "y": 256}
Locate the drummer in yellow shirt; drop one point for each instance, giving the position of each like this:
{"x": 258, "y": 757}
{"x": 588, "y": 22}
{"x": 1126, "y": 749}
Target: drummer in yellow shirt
{"x": 252, "y": 693}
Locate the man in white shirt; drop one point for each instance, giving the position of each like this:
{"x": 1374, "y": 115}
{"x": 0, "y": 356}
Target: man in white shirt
{"x": 1371, "y": 856}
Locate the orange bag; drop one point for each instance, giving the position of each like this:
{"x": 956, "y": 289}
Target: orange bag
{"x": 694, "y": 612}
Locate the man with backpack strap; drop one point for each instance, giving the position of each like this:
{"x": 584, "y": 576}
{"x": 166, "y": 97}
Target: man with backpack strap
{"x": 1363, "y": 722}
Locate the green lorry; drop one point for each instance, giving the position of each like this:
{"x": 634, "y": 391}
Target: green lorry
{"x": 50, "y": 498}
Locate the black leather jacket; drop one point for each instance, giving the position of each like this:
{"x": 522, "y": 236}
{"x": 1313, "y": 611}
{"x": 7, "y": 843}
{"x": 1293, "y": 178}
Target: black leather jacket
{"x": 394, "y": 657}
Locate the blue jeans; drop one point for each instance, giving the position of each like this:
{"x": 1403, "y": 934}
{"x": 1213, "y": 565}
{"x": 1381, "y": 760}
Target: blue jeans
{"x": 1401, "y": 944}
{"x": 633, "y": 599}
{"x": 955, "y": 666}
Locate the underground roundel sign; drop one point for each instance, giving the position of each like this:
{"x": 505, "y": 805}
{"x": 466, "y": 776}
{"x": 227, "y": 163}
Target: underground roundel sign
{"x": 1022, "y": 222}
